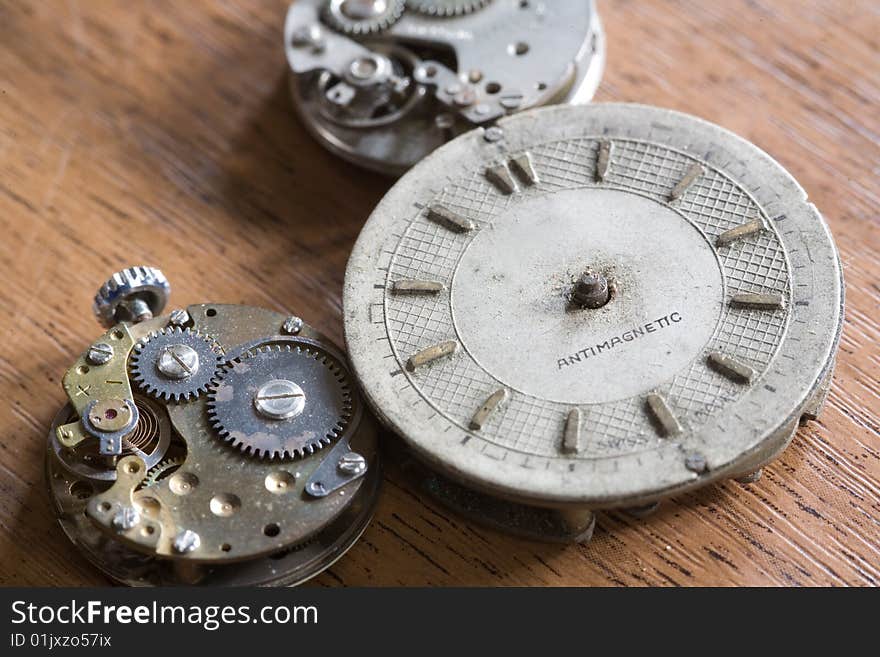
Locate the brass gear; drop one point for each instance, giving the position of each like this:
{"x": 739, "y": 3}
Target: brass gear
{"x": 162, "y": 470}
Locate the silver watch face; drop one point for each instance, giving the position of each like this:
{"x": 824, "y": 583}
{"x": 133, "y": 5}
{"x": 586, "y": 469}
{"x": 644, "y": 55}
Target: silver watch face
{"x": 597, "y": 305}
{"x": 384, "y": 82}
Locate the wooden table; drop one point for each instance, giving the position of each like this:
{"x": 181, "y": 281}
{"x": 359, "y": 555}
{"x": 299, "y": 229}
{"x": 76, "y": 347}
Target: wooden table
{"x": 162, "y": 133}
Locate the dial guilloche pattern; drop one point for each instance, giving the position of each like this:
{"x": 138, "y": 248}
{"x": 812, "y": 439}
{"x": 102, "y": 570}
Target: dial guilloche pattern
{"x": 703, "y": 195}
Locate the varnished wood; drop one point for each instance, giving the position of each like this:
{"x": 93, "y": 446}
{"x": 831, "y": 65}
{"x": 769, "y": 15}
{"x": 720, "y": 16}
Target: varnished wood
{"x": 161, "y": 133}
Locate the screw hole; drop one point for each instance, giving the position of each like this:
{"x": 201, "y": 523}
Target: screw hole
{"x": 271, "y": 530}
{"x": 226, "y": 547}
{"x": 81, "y": 490}
{"x": 492, "y": 88}
{"x": 104, "y": 506}
{"x": 211, "y": 312}
{"x": 82, "y": 369}
{"x": 131, "y": 468}
{"x": 520, "y": 48}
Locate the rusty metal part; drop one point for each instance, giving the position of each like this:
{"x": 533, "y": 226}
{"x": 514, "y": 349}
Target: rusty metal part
{"x": 218, "y": 494}
{"x": 591, "y": 291}
{"x": 288, "y": 567}
{"x": 175, "y": 364}
{"x": 208, "y": 513}
{"x": 239, "y": 410}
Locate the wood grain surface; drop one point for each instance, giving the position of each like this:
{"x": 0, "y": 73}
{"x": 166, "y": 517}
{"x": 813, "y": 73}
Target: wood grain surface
{"x": 162, "y": 133}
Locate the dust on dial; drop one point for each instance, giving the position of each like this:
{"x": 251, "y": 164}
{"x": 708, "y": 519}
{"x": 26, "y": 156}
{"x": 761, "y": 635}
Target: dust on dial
{"x": 594, "y": 305}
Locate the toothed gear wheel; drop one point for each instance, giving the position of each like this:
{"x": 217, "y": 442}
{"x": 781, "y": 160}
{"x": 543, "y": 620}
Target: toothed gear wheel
{"x": 161, "y": 470}
{"x": 317, "y": 378}
{"x": 362, "y": 17}
{"x": 172, "y": 342}
{"x": 446, "y": 8}
{"x": 148, "y": 284}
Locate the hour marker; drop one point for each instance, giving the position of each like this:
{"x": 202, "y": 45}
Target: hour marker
{"x": 603, "y": 160}
{"x": 416, "y": 286}
{"x": 756, "y": 300}
{"x": 500, "y": 177}
{"x": 663, "y": 414}
{"x": 731, "y": 367}
{"x": 484, "y": 411}
{"x": 571, "y": 434}
{"x": 741, "y": 231}
{"x": 450, "y": 219}
{"x": 432, "y": 353}
{"x": 524, "y": 168}
{"x": 685, "y": 183}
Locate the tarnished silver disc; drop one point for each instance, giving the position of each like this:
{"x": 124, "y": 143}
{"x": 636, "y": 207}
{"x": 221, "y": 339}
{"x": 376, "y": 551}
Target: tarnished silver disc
{"x": 471, "y": 325}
